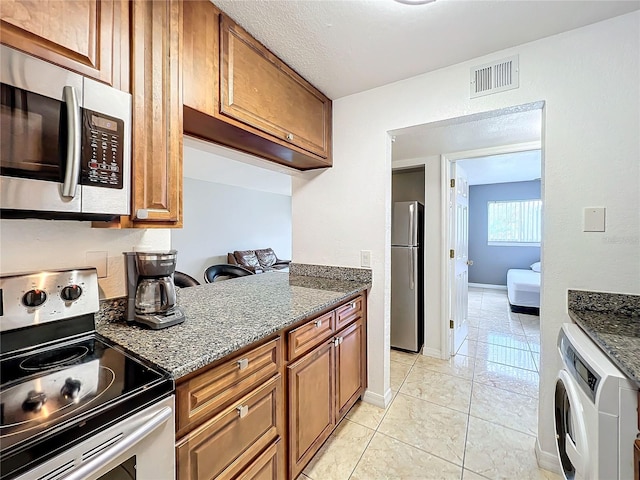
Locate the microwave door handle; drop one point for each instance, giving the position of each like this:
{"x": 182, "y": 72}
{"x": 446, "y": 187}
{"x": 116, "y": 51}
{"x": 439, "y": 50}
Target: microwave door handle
{"x": 74, "y": 141}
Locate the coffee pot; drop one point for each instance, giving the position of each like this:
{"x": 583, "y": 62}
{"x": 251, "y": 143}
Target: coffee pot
{"x": 152, "y": 293}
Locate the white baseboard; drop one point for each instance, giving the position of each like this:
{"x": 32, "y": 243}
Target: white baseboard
{"x": 546, "y": 460}
{"x": 487, "y": 285}
{"x": 376, "y": 399}
{"x": 432, "y": 352}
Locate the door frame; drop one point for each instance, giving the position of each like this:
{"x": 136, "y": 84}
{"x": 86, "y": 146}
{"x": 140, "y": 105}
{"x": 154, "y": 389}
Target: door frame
{"x": 447, "y": 236}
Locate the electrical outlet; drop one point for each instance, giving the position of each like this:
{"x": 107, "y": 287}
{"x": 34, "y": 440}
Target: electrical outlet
{"x": 365, "y": 258}
{"x": 99, "y": 261}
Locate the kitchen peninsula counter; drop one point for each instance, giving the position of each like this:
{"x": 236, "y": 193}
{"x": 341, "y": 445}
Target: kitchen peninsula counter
{"x": 223, "y": 317}
{"x": 612, "y": 321}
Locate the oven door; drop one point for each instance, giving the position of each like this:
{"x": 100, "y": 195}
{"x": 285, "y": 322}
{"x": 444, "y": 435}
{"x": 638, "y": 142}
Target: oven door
{"x": 138, "y": 447}
{"x": 41, "y": 128}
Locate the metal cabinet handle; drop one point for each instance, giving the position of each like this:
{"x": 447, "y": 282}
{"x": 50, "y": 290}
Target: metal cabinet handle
{"x": 318, "y": 323}
{"x": 353, "y": 305}
{"x": 242, "y": 410}
{"x": 142, "y": 213}
{"x": 290, "y": 136}
{"x": 74, "y": 142}
{"x": 242, "y": 364}
{"x": 337, "y": 341}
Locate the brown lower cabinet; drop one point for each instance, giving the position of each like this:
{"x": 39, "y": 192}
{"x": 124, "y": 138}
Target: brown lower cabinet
{"x": 636, "y": 460}
{"x": 311, "y": 404}
{"x": 323, "y": 385}
{"x": 254, "y": 415}
{"x": 226, "y": 445}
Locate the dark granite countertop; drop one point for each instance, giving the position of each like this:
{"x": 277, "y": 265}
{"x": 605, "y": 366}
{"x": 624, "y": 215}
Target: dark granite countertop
{"x": 612, "y": 321}
{"x": 223, "y": 317}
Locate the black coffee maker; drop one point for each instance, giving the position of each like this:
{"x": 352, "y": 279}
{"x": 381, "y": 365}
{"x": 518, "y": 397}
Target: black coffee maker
{"x": 150, "y": 288}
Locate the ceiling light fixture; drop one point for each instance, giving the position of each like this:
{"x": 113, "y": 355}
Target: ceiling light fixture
{"x": 415, "y": 2}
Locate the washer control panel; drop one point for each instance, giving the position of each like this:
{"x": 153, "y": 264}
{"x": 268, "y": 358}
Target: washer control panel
{"x": 586, "y": 377}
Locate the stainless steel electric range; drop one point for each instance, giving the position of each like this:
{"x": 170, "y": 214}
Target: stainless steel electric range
{"x": 72, "y": 404}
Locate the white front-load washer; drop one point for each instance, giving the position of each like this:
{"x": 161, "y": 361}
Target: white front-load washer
{"x": 595, "y": 411}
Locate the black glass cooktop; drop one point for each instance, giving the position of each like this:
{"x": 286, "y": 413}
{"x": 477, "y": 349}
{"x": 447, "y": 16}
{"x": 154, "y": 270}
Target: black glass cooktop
{"x": 57, "y": 395}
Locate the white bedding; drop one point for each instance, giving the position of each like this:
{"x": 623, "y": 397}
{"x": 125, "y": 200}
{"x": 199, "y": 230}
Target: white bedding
{"x": 523, "y": 287}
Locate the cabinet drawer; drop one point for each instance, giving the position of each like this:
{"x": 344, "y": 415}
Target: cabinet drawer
{"x": 349, "y": 312}
{"x": 310, "y": 335}
{"x": 222, "y": 447}
{"x": 200, "y": 397}
{"x": 267, "y": 466}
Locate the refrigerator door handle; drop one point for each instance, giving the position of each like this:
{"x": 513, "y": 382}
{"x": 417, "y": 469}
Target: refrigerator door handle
{"x": 411, "y": 278}
{"x": 410, "y": 238}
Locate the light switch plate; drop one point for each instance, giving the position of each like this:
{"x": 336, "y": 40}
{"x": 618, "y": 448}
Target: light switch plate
{"x": 99, "y": 261}
{"x": 594, "y": 219}
{"x": 365, "y": 258}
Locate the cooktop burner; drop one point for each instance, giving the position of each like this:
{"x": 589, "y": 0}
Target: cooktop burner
{"x": 66, "y": 380}
{"x": 52, "y": 358}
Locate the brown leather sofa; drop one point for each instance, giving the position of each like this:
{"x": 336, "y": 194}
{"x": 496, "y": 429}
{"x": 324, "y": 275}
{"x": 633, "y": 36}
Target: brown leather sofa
{"x": 257, "y": 261}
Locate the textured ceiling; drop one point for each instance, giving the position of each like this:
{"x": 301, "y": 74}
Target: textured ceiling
{"x": 348, "y": 46}
{"x": 467, "y": 133}
{"x": 508, "y": 167}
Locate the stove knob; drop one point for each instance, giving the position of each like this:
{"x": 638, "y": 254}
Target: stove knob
{"x": 34, "y": 402}
{"x": 71, "y": 388}
{"x": 34, "y": 298}
{"x": 71, "y": 293}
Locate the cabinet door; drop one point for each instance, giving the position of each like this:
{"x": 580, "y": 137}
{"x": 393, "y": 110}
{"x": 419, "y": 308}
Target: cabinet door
{"x": 201, "y": 55}
{"x": 349, "y": 367}
{"x": 259, "y": 90}
{"x": 311, "y": 405}
{"x": 157, "y": 113}
{"x": 87, "y": 36}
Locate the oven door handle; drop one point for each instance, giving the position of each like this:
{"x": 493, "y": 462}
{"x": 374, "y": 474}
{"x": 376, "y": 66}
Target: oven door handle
{"x": 99, "y": 461}
{"x": 74, "y": 142}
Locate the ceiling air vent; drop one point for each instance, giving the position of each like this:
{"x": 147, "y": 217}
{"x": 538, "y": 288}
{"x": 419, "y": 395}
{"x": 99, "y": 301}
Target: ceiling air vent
{"x": 494, "y": 77}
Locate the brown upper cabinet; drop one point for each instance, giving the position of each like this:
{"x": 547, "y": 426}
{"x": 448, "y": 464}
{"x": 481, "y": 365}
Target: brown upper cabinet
{"x": 156, "y": 127}
{"x": 238, "y": 94}
{"x": 156, "y": 88}
{"x": 90, "y": 37}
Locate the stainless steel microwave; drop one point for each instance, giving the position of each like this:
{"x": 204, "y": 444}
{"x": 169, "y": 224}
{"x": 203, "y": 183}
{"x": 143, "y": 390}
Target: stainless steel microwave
{"x": 65, "y": 147}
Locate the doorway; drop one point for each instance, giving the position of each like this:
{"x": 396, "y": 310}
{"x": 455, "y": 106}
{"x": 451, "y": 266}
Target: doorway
{"x": 431, "y": 146}
{"x": 481, "y": 182}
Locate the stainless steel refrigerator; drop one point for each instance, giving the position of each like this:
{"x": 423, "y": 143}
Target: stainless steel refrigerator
{"x": 407, "y": 272}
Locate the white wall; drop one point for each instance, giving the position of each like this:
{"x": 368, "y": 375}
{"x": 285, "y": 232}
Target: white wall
{"x": 588, "y": 79}
{"x": 34, "y": 245}
{"x": 229, "y": 205}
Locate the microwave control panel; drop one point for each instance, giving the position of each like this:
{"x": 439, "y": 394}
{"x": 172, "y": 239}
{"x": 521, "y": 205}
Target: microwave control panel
{"x": 102, "y": 144}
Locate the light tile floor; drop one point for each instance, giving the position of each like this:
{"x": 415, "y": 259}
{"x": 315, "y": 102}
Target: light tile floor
{"x": 472, "y": 417}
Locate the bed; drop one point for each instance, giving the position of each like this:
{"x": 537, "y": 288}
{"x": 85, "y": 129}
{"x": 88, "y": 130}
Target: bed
{"x": 523, "y": 290}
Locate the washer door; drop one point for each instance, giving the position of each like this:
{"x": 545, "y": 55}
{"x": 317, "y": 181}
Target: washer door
{"x": 571, "y": 437}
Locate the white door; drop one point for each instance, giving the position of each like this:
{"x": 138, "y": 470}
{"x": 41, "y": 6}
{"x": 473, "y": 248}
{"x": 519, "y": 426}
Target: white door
{"x": 459, "y": 264}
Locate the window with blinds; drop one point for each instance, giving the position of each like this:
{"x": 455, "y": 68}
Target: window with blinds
{"x": 514, "y": 223}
